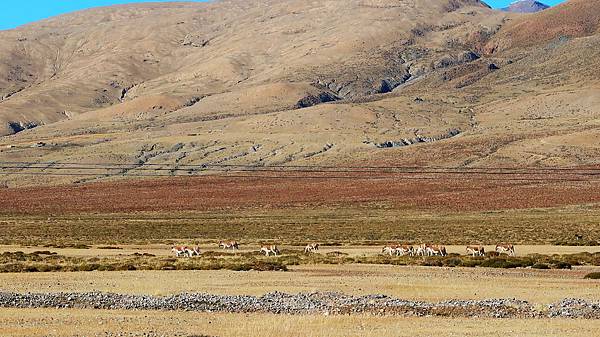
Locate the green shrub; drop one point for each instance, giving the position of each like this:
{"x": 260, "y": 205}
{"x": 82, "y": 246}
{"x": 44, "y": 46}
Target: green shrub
{"x": 44, "y": 252}
{"x": 573, "y": 242}
{"x": 501, "y": 262}
{"x": 87, "y": 267}
{"x": 433, "y": 262}
{"x": 540, "y": 266}
{"x": 453, "y": 262}
{"x": 562, "y": 265}
{"x": 592, "y": 276}
{"x": 336, "y": 254}
{"x": 472, "y": 262}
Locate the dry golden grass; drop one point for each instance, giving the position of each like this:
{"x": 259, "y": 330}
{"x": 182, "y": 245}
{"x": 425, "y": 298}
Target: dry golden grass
{"x": 71, "y": 322}
{"x": 413, "y": 283}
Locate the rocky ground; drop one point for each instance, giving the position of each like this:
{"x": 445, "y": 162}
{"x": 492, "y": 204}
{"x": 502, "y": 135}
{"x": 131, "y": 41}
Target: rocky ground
{"x": 325, "y": 303}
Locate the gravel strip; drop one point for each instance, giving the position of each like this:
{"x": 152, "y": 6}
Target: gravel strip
{"x": 326, "y": 303}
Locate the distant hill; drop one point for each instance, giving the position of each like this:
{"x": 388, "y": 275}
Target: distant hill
{"x": 526, "y": 6}
{"x": 296, "y": 82}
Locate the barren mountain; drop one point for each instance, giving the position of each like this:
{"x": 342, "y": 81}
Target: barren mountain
{"x": 526, "y": 6}
{"x": 277, "y": 82}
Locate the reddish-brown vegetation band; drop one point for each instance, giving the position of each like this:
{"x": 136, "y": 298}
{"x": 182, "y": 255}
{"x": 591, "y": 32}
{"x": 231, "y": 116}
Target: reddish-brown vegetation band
{"x": 209, "y": 193}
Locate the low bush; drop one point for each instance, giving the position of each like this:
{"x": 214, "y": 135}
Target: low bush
{"x": 46, "y": 261}
{"x": 70, "y": 245}
{"x": 540, "y": 266}
{"x": 573, "y": 242}
{"x": 453, "y": 262}
{"x": 562, "y": 265}
{"x": 500, "y": 262}
{"x": 432, "y": 262}
{"x": 44, "y": 252}
{"x": 592, "y": 276}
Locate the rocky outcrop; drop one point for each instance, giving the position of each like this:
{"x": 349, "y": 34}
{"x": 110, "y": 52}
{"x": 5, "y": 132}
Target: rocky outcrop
{"x": 454, "y": 5}
{"x": 453, "y": 60}
{"x": 312, "y": 100}
{"x": 17, "y": 127}
{"x": 325, "y": 148}
{"x": 417, "y": 140}
{"x": 351, "y": 85}
{"x": 195, "y": 40}
{"x": 526, "y": 6}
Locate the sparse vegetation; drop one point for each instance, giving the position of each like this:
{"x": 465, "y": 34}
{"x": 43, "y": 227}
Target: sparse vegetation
{"x": 22, "y": 262}
{"x": 592, "y": 276}
{"x": 67, "y": 245}
{"x": 540, "y": 266}
{"x": 216, "y": 260}
{"x": 369, "y": 224}
{"x": 574, "y": 242}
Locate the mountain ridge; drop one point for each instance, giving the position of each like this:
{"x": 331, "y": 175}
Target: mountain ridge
{"x": 526, "y": 6}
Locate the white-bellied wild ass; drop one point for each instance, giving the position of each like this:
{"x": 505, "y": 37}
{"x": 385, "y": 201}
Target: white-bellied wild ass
{"x": 233, "y": 245}
{"x": 392, "y": 249}
{"x": 476, "y": 250}
{"x": 402, "y": 250}
{"x": 268, "y": 249}
{"x": 180, "y": 250}
{"x": 506, "y": 249}
{"x": 192, "y": 251}
{"x": 432, "y": 250}
{"x": 420, "y": 251}
{"x": 389, "y": 249}
{"x": 311, "y": 248}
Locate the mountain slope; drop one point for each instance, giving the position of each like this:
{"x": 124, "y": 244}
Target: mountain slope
{"x": 572, "y": 19}
{"x": 80, "y": 62}
{"x": 262, "y": 83}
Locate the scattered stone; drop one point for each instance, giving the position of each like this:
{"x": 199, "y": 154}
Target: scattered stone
{"x": 312, "y": 100}
{"x": 39, "y": 144}
{"x": 315, "y": 303}
{"x": 419, "y": 139}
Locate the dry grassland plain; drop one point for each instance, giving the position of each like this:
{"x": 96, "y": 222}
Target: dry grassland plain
{"x": 413, "y": 283}
{"x": 136, "y": 218}
{"x": 49, "y": 322}
{"x": 188, "y": 84}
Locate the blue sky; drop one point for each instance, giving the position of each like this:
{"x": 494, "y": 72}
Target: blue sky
{"x": 18, "y": 12}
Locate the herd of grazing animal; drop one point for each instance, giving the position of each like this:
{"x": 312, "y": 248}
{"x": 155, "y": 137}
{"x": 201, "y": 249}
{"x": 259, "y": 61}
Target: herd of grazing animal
{"x": 421, "y": 250}
{"x": 233, "y": 245}
{"x": 268, "y": 249}
{"x": 391, "y": 249}
{"x": 185, "y": 251}
{"x": 394, "y": 249}
{"x": 311, "y": 248}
